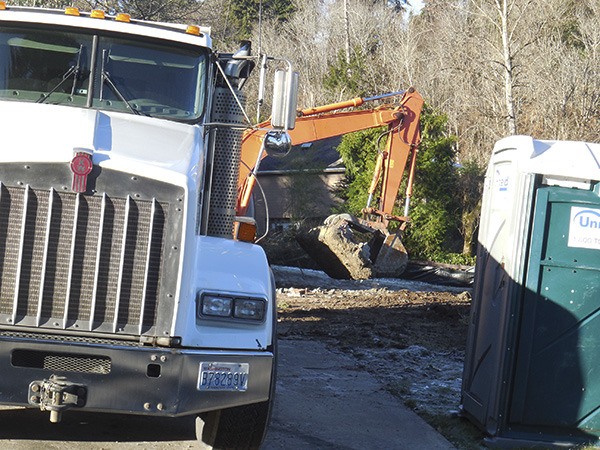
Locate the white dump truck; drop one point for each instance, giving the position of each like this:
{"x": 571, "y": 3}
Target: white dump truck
{"x": 124, "y": 287}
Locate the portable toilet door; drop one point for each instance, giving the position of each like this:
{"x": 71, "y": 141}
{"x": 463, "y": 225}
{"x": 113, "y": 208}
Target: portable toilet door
{"x": 557, "y": 371}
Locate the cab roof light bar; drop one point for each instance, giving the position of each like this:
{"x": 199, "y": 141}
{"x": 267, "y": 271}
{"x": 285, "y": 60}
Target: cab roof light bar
{"x": 119, "y": 17}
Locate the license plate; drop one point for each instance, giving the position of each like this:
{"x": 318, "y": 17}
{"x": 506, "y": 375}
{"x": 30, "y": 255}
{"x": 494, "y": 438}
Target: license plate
{"x": 223, "y": 376}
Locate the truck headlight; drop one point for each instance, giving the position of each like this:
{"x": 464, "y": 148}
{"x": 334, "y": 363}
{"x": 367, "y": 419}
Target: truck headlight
{"x": 246, "y": 308}
{"x": 223, "y": 306}
{"x": 212, "y": 305}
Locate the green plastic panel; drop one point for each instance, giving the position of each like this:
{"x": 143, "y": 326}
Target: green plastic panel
{"x": 557, "y": 372}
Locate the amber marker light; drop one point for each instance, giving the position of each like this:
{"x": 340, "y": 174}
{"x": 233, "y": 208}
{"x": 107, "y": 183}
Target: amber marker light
{"x": 97, "y": 14}
{"x": 2, "y": 5}
{"x": 244, "y": 229}
{"x": 72, "y": 11}
{"x": 123, "y": 17}
{"x": 193, "y": 29}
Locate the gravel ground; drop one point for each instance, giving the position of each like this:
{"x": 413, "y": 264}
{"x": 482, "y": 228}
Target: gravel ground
{"x": 409, "y": 335}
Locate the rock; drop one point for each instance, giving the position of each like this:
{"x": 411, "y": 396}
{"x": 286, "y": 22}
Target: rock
{"x": 347, "y": 249}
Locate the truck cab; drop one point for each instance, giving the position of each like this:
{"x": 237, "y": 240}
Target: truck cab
{"x": 122, "y": 289}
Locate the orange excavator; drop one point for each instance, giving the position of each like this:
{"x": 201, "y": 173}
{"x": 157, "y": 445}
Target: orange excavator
{"x": 347, "y": 246}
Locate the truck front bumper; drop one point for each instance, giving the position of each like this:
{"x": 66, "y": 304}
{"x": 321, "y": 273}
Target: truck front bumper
{"x": 128, "y": 379}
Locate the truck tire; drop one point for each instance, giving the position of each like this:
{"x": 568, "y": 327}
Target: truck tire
{"x": 242, "y": 427}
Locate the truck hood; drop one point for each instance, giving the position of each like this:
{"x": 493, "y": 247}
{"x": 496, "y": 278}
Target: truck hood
{"x": 49, "y": 133}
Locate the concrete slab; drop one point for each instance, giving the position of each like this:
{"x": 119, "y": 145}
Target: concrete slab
{"x": 325, "y": 401}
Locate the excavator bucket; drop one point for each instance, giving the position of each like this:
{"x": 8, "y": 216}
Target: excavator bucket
{"x": 348, "y": 248}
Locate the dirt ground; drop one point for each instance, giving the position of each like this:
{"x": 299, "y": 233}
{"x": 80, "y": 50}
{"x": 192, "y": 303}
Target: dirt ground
{"x": 411, "y": 336}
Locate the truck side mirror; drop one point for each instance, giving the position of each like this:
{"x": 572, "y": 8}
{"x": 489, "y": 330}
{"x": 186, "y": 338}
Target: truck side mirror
{"x": 285, "y": 99}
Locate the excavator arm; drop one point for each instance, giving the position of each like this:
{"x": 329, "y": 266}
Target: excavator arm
{"x": 335, "y": 245}
{"x": 312, "y": 124}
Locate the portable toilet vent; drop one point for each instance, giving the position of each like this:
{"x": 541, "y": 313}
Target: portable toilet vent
{"x": 532, "y": 366}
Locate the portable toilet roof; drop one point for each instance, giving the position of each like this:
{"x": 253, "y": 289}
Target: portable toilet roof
{"x": 559, "y": 161}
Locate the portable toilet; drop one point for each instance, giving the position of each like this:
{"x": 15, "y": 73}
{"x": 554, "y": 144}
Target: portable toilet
{"x": 532, "y": 363}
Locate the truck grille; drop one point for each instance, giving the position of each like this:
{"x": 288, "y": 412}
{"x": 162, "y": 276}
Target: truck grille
{"x": 84, "y": 262}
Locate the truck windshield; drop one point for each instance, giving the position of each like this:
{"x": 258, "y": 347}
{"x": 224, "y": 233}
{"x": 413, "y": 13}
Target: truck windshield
{"x": 143, "y": 77}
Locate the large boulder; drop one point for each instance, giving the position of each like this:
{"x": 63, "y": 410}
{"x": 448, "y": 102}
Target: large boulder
{"x": 347, "y": 249}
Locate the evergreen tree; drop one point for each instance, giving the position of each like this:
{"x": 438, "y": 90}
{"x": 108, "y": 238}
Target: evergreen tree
{"x": 436, "y": 209}
{"x": 346, "y": 78}
{"x": 243, "y": 15}
{"x": 359, "y": 152}
{"x": 435, "y": 214}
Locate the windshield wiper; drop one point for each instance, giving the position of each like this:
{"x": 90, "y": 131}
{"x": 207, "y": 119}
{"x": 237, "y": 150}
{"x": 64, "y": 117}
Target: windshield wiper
{"x": 71, "y": 71}
{"x": 106, "y": 78}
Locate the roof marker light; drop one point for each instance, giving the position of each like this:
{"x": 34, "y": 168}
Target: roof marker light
{"x": 123, "y": 17}
{"x": 2, "y": 5}
{"x": 193, "y": 29}
{"x": 71, "y": 11}
{"x": 97, "y": 14}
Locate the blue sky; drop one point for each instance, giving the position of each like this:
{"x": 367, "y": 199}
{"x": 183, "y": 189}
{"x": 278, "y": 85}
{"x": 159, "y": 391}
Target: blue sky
{"x": 416, "y": 5}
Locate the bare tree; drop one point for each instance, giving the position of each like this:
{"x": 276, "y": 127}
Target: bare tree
{"x": 347, "y": 30}
{"x": 504, "y": 12}
{"x": 564, "y": 92}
